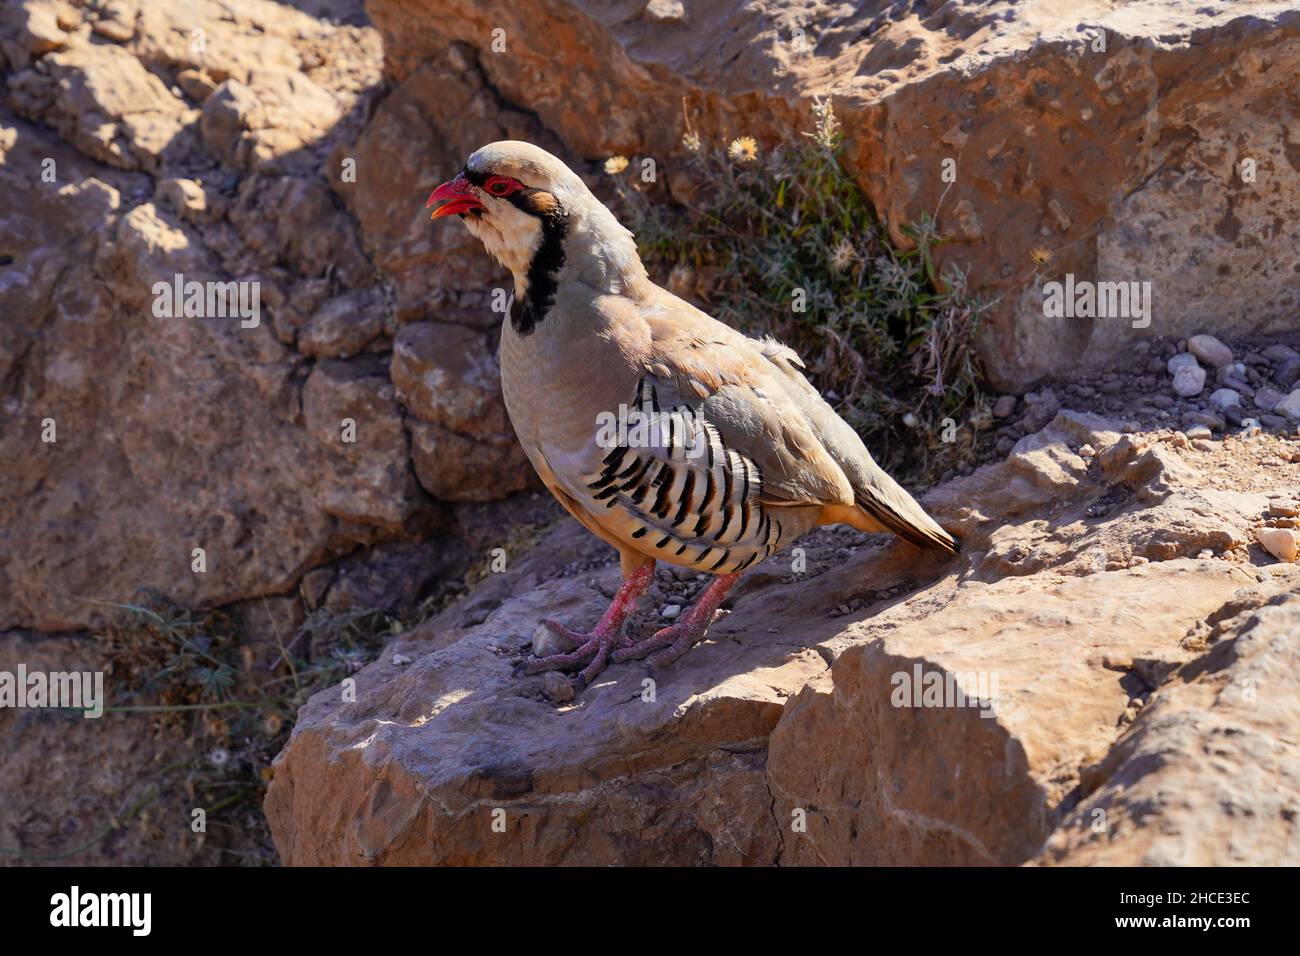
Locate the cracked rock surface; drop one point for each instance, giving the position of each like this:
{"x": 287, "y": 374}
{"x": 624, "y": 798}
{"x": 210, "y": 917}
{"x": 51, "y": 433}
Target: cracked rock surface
{"x": 1114, "y": 653}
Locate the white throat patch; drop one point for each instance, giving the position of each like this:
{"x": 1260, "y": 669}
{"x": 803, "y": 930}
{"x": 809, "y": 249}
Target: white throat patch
{"x": 510, "y": 235}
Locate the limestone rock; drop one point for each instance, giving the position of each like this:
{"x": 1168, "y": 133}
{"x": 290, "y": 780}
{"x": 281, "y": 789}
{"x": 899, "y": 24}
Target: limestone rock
{"x": 1189, "y": 380}
{"x": 1282, "y": 543}
{"x": 1159, "y": 800}
{"x": 105, "y": 103}
{"x": 1037, "y": 111}
{"x": 1209, "y": 350}
{"x": 1077, "y": 598}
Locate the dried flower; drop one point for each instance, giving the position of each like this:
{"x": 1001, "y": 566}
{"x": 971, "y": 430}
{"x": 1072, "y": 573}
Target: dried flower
{"x": 827, "y": 131}
{"x": 1040, "y": 256}
{"x": 843, "y": 255}
{"x": 691, "y": 140}
{"x": 743, "y": 149}
{"x": 615, "y": 165}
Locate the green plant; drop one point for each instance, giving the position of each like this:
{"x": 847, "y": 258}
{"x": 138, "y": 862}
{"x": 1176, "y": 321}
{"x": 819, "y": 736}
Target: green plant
{"x": 784, "y": 243}
{"x": 194, "y": 675}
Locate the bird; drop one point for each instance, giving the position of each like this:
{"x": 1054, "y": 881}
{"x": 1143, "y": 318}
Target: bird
{"x": 666, "y": 433}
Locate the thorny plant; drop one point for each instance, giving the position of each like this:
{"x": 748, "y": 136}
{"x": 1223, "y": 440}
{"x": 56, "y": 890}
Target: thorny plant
{"x": 885, "y": 337}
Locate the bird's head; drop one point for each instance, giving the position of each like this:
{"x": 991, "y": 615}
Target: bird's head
{"x": 528, "y": 208}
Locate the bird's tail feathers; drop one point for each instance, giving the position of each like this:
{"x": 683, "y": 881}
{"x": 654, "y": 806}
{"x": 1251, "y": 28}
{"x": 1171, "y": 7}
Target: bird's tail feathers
{"x": 898, "y": 511}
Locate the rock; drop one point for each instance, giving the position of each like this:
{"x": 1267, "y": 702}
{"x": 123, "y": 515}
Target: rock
{"x": 670, "y": 611}
{"x": 455, "y": 467}
{"x": 353, "y": 417}
{"x": 665, "y": 11}
{"x": 1224, "y": 398}
{"x": 1289, "y": 406}
{"x": 103, "y": 101}
{"x": 464, "y": 445}
{"x": 343, "y": 326}
{"x": 1043, "y": 407}
{"x": 448, "y": 374}
{"x": 557, "y": 687}
{"x": 197, "y": 84}
{"x": 1004, "y": 406}
{"x": 547, "y": 642}
{"x": 1182, "y": 360}
{"x": 1279, "y": 353}
{"x": 1189, "y": 380}
{"x": 1267, "y": 399}
{"x": 281, "y": 111}
{"x": 1229, "y": 373}
{"x": 899, "y": 98}
{"x": 752, "y": 719}
{"x": 1210, "y": 420}
{"x": 1209, "y": 350}
{"x": 1160, "y": 801}
{"x": 1282, "y": 543}
{"x": 1284, "y": 509}
{"x": 1288, "y": 373}
{"x": 117, "y": 20}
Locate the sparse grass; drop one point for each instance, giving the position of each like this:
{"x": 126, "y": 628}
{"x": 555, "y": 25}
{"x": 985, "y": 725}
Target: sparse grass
{"x": 192, "y": 674}
{"x": 884, "y": 336}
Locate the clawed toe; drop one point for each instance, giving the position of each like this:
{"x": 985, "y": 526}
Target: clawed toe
{"x": 586, "y": 650}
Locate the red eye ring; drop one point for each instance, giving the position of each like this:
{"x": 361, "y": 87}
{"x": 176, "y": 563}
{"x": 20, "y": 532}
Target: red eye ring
{"x": 502, "y": 185}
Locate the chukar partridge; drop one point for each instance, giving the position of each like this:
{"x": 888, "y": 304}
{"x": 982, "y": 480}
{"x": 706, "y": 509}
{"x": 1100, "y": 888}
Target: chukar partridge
{"x": 665, "y": 432}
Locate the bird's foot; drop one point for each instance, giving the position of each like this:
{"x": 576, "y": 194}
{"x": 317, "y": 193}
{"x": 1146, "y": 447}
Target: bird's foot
{"x": 677, "y": 638}
{"x": 593, "y": 650}
{"x": 680, "y": 637}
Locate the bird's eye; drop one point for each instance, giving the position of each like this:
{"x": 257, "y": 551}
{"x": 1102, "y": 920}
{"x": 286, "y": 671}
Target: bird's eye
{"x": 500, "y": 187}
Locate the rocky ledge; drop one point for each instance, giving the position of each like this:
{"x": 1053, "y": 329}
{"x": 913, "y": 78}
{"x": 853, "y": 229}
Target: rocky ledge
{"x": 1126, "y": 649}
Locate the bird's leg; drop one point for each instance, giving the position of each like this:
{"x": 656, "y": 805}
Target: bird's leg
{"x": 679, "y": 637}
{"x": 596, "y": 646}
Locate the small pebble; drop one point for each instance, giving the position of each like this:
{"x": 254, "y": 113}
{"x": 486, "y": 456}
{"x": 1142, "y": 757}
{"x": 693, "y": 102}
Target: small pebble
{"x": 670, "y": 611}
{"x": 1282, "y": 543}
{"x": 1209, "y": 350}
{"x": 546, "y": 642}
{"x": 1266, "y": 399}
{"x": 1004, "y": 406}
{"x": 1197, "y": 431}
{"x": 1289, "y": 406}
{"x": 1189, "y": 380}
{"x": 1288, "y": 373}
{"x": 557, "y": 687}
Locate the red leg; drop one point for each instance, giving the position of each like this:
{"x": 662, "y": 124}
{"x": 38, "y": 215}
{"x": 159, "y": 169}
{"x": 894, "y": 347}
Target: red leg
{"x": 678, "y": 638}
{"x": 596, "y": 646}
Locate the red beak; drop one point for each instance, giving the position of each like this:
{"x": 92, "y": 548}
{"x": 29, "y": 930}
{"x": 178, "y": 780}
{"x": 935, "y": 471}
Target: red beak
{"x": 458, "y": 198}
